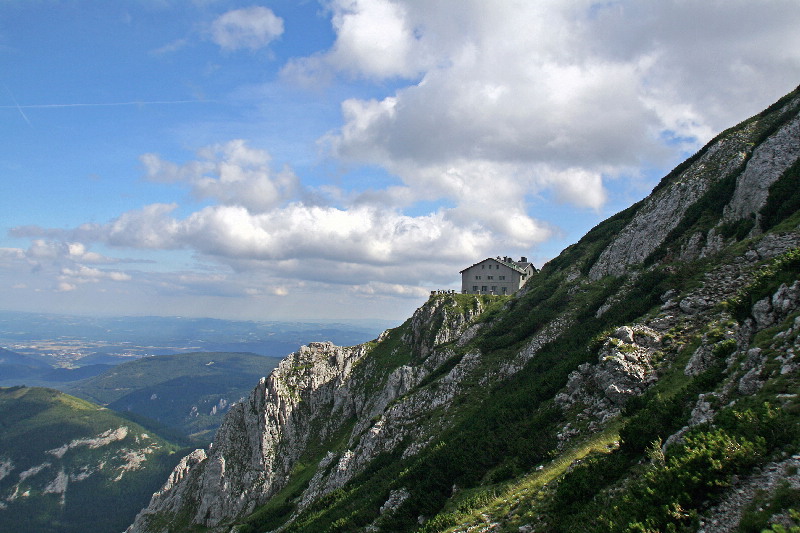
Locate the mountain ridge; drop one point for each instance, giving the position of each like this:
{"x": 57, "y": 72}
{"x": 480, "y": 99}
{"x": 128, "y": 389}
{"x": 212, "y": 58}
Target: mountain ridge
{"x": 65, "y": 462}
{"x": 650, "y": 329}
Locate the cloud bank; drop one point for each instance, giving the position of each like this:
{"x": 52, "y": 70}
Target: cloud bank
{"x": 487, "y": 111}
{"x": 548, "y": 95}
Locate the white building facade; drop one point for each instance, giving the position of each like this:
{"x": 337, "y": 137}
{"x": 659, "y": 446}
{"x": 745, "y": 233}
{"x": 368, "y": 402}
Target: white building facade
{"x": 500, "y": 275}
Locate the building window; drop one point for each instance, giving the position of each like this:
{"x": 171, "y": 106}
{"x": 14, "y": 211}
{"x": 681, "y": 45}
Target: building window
{"x": 489, "y": 277}
{"x": 483, "y": 288}
{"x": 474, "y": 288}
{"x": 502, "y": 277}
{"x": 477, "y": 277}
{"x": 505, "y": 290}
{"x": 494, "y": 289}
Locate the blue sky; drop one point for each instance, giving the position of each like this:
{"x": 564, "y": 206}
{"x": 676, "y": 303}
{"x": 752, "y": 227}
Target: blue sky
{"x": 341, "y": 158}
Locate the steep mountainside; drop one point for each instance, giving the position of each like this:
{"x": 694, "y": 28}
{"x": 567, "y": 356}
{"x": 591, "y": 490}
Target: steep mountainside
{"x": 644, "y": 380}
{"x": 69, "y": 466}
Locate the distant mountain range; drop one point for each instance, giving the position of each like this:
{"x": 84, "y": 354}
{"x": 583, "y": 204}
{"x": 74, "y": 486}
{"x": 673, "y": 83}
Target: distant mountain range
{"x": 13, "y": 359}
{"x": 59, "y": 350}
{"x": 71, "y": 465}
{"x": 183, "y": 395}
{"x": 187, "y": 393}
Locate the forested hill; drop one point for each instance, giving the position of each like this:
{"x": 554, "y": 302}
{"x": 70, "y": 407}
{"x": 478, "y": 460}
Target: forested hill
{"x": 187, "y": 393}
{"x": 69, "y": 466}
{"x": 644, "y": 380}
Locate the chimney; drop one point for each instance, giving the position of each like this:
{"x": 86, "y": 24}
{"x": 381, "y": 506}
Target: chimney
{"x": 523, "y": 259}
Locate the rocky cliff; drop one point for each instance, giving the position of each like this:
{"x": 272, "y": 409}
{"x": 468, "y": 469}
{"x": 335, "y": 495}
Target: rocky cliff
{"x": 317, "y": 396}
{"x": 657, "y": 351}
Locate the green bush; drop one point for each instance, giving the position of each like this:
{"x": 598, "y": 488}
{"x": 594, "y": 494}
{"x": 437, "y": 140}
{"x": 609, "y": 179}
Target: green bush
{"x": 526, "y": 315}
{"x": 658, "y": 419}
{"x": 769, "y": 422}
{"x": 666, "y": 497}
{"x": 778, "y": 528}
{"x": 587, "y": 479}
{"x": 738, "y": 229}
{"x": 784, "y": 198}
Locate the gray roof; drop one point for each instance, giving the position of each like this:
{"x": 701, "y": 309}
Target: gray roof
{"x": 515, "y": 265}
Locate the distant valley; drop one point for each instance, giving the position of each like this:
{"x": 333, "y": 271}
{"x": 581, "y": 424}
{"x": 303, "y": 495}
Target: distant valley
{"x": 54, "y": 350}
{"x": 182, "y": 395}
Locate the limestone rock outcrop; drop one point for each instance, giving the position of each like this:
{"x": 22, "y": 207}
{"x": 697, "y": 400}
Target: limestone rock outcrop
{"x": 625, "y": 368}
{"x": 314, "y": 393}
{"x": 663, "y": 210}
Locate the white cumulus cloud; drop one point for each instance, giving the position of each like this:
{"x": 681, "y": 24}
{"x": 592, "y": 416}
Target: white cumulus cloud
{"x": 479, "y": 112}
{"x": 553, "y": 95}
{"x": 360, "y": 234}
{"x": 232, "y": 173}
{"x": 372, "y": 38}
{"x": 252, "y": 27}
{"x": 66, "y": 287}
{"x": 84, "y": 274}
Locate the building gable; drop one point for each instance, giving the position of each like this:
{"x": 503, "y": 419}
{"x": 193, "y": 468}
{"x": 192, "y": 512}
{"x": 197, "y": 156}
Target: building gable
{"x": 522, "y": 266}
{"x": 480, "y": 278}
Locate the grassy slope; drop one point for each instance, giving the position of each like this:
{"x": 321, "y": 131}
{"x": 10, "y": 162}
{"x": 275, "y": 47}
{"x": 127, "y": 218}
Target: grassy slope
{"x": 35, "y": 420}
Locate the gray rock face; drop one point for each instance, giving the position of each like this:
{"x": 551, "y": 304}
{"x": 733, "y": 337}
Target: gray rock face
{"x": 768, "y": 162}
{"x": 312, "y": 394}
{"x": 762, "y": 313}
{"x": 259, "y": 441}
{"x": 770, "y": 310}
{"x": 753, "y": 366}
{"x": 702, "y": 412}
{"x": 438, "y": 323}
{"x": 396, "y": 499}
{"x": 694, "y": 304}
{"x": 661, "y": 212}
{"x": 175, "y": 487}
{"x": 624, "y": 369}
{"x": 704, "y": 356}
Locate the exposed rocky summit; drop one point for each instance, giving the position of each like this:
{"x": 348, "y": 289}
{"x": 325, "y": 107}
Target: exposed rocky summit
{"x": 312, "y": 395}
{"x": 262, "y": 437}
{"x": 665, "y": 337}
